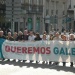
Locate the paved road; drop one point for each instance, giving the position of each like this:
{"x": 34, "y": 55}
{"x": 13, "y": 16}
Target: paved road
{"x": 26, "y": 68}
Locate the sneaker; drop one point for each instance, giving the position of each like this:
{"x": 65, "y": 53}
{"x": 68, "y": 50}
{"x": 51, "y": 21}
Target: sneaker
{"x": 8, "y": 59}
{"x": 50, "y": 63}
{"x": 43, "y": 62}
{"x": 56, "y": 63}
{"x": 71, "y": 64}
{"x": 36, "y": 62}
{"x": 14, "y": 60}
{"x": 24, "y": 60}
{"x": 31, "y": 61}
{"x": 3, "y": 59}
{"x": 64, "y": 63}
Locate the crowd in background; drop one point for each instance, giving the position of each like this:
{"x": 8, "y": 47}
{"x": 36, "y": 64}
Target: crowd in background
{"x": 32, "y": 36}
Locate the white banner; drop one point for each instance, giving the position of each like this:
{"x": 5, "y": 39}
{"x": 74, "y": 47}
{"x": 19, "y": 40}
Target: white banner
{"x": 61, "y": 51}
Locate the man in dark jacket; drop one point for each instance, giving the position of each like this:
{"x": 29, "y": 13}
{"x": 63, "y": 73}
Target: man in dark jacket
{"x": 25, "y": 35}
{"x": 20, "y": 36}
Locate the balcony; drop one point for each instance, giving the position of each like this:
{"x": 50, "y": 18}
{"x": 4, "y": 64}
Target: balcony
{"x": 70, "y": 9}
{"x": 33, "y": 9}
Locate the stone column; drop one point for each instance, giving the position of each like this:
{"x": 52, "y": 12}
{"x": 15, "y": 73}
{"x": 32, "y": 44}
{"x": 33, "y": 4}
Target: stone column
{"x": 34, "y": 22}
{"x": 44, "y": 12}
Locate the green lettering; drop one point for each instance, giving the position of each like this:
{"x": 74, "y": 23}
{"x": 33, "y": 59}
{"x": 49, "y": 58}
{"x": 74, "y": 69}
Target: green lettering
{"x": 62, "y": 51}
{"x": 73, "y": 51}
{"x": 56, "y": 50}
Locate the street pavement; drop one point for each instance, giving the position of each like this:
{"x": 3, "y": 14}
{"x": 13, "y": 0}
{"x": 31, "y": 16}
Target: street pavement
{"x": 27, "y": 68}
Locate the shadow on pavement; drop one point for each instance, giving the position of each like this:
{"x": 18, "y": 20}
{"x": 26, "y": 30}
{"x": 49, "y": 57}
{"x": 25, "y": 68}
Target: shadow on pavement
{"x": 36, "y": 65}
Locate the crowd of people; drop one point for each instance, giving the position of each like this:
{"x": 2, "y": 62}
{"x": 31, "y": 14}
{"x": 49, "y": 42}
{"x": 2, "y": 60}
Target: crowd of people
{"x": 32, "y": 36}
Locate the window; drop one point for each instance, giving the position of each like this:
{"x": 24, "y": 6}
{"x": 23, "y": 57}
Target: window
{"x": 57, "y": 4}
{"x": 47, "y": 11}
{"x": 52, "y": 19}
{"x": 41, "y": 2}
{"x": 56, "y": 12}
{"x": 38, "y": 2}
{"x": 47, "y": 4}
{"x": 16, "y": 27}
{"x": 52, "y": 4}
{"x": 63, "y": 5}
{"x": 22, "y": 1}
{"x": 52, "y": 11}
{"x": 30, "y": 1}
{"x": 63, "y": 12}
{"x": 12, "y": 0}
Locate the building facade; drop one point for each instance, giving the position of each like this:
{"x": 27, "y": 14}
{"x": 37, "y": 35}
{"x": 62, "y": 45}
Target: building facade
{"x": 2, "y": 13}
{"x": 32, "y": 14}
{"x": 39, "y": 15}
{"x": 55, "y": 14}
{"x": 71, "y": 14}
{"x": 13, "y": 14}
{"x": 21, "y": 14}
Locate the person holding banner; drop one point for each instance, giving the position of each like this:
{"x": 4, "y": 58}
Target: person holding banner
{"x": 20, "y": 36}
{"x": 25, "y": 35}
{"x": 57, "y": 38}
{"x": 31, "y": 36}
{"x": 45, "y": 32}
{"x": 15, "y": 36}
{"x": 64, "y": 38}
{"x": 44, "y": 37}
{"x": 37, "y": 37}
{"x": 71, "y": 38}
{"x": 51, "y": 36}
{"x": 2, "y": 37}
{"x": 9, "y": 37}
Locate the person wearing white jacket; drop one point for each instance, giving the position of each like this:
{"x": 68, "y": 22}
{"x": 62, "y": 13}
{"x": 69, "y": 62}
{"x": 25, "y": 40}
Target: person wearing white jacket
{"x": 31, "y": 36}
